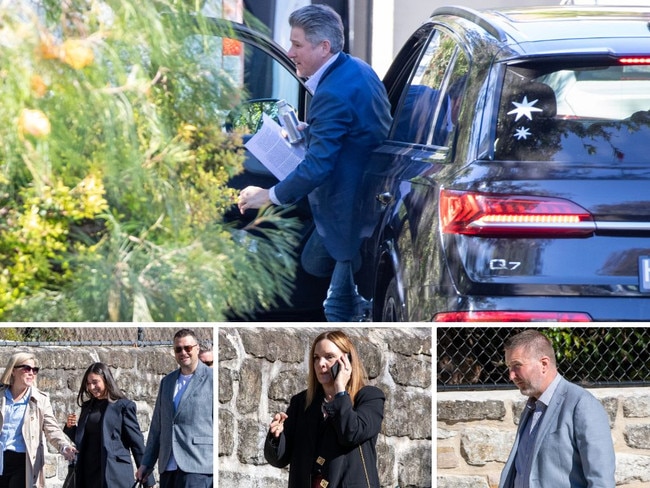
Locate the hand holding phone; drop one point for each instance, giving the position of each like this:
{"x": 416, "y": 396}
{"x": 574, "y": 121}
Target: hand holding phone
{"x": 334, "y": 370}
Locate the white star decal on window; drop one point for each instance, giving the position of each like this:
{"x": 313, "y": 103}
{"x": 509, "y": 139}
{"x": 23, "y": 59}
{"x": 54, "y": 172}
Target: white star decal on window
{"x": 525, "y": 108}
{"x": 522, "y": 133}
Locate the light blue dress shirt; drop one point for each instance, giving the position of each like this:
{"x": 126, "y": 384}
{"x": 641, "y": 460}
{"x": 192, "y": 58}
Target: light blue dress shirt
{"x": 11, "y": 437}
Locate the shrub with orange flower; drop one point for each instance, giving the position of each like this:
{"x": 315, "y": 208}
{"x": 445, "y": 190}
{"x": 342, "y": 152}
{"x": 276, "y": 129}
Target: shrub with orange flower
{"x": 34, "y": 123}
{"x": 38, "y": 86}
{"x": 114, "y": 168}
{"x": 77, "y": 53}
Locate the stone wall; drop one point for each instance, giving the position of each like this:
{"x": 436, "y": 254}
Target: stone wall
{"x": 261, "y": 368}
{"x": 137, "y": 371}
{"x": 476, "y": 430}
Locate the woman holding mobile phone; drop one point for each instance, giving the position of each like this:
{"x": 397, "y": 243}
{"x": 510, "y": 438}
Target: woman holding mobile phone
{"x": 329, "y": 432}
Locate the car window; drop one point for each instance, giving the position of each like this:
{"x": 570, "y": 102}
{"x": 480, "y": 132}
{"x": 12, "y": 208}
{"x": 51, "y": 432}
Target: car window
{"x": 453, "y": 91}
{"x": 427, "y": 112}
{"x": 399, "y": 73}
{"x": 258, "y": 75}
{"x": 594, "y": 114}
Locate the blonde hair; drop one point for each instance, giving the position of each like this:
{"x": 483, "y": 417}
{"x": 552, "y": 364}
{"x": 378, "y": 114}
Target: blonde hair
{"x": 17, "y": 359}
{"x": 358, "y": 378}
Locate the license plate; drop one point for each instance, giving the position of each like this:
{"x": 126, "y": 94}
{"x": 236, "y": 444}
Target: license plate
{"x": 644, "y": 274}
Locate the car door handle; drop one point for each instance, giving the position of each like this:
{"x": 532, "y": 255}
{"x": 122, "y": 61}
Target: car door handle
{"x": 385, "y": 198}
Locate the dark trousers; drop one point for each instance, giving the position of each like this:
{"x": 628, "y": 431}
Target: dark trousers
{"x": 181, "y": 479}
{"x": 13, "y": 473}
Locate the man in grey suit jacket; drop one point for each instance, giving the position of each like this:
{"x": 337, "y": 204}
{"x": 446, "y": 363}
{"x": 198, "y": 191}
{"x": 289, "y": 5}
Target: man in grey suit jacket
{"x": 349, "y": 117}
{"x": 563, "y": 439}
{"x": 180, "y": 434}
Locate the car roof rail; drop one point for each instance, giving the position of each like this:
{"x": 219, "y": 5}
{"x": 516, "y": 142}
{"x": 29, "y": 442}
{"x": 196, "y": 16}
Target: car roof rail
{"x": 473, "y": 16}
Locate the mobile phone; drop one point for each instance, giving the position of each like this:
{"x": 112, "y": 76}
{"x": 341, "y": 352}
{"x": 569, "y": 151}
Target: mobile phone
{"x": 334, "y": 370}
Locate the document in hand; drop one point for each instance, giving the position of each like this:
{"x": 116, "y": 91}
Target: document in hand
{"x": 273, "y": 150}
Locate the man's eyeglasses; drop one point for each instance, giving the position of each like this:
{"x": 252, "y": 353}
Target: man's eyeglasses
{"x": 187, "y": 349}
{"x": 27, "y": 368}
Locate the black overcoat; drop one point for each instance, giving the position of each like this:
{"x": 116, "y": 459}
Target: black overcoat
{"x": 331, "y": 445}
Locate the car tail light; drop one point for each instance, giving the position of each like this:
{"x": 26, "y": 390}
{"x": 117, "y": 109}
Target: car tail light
{"x": 484, "y": 214}
{"x": 509, "y": 316}
{"x": 635, "y": 60}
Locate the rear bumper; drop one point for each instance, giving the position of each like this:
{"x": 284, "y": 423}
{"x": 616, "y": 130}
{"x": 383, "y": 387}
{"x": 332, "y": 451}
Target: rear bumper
{"x": 600, "y": 309}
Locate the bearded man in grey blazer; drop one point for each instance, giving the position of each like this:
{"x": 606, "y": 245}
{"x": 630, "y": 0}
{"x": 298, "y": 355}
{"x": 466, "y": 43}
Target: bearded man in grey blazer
{"x": 180, "y": 434}
{"x": 563, "y": 439}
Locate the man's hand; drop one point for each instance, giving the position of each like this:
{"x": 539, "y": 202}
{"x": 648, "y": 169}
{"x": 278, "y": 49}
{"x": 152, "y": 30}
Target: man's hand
{"x": 253, "y": 197}
{"x": 141, "y": 474}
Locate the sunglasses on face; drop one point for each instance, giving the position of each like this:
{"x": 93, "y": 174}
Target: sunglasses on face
{"x": 187, "y": 349}
{"x": 27, "y": 368}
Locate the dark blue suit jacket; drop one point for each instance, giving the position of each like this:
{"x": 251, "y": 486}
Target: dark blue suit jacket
{"x": 349, "y": 116}
{"x": 121, "y": 437}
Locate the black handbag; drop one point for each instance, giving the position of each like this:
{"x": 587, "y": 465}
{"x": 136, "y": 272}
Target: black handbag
{"x": 138, "y": 484}
{"x": 70, "y": 479}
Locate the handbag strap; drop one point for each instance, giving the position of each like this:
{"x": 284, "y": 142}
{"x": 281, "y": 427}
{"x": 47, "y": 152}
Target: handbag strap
{"x": 365, "y": 470}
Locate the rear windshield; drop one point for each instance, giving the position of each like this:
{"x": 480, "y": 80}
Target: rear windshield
{"x": 590, "y": 114}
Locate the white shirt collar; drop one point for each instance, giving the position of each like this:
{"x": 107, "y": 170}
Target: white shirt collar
{"x": 314, "y": 79}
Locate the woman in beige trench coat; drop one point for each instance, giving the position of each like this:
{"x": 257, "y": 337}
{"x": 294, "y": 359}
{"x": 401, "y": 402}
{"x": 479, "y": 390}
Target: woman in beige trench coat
{"x": 26, "y": 420}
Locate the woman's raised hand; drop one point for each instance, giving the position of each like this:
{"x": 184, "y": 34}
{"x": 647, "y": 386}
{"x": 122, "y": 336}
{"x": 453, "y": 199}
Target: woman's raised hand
{"x": 277, "y": 424}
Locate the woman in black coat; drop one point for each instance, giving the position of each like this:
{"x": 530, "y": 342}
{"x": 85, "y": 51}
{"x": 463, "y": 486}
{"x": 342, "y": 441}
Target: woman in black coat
{"x": 107, "y": 433}
{"x": 329, "y": 432}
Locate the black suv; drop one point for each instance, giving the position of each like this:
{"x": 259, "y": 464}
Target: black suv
{"x": 515, "y": 183}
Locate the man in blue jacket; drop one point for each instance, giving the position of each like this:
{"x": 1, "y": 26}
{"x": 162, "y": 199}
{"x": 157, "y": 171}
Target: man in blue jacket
{"x": 563, "y": 439}
{"x": 349, "y": 116}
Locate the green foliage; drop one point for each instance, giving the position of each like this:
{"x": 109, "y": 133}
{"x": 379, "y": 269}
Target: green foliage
{"x": 114, "y": 168}
{"x": 603, "y": 354}
{"x": 10, "y": 334}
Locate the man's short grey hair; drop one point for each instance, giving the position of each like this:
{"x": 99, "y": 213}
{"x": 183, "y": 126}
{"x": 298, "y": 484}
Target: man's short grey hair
{"x": 320, "y": 23}
{"x": 534, "y": 342}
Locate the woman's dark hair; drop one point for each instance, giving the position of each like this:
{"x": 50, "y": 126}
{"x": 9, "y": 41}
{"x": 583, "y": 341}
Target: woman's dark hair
{"x": 112, "y": 391}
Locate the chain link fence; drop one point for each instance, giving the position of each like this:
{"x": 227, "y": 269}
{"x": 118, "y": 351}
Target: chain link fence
{"x": 473, "y": 358}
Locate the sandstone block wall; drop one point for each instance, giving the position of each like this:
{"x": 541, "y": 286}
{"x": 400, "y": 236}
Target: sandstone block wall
{"x": 261, "y": 368}
{"x": 476, "y": 430}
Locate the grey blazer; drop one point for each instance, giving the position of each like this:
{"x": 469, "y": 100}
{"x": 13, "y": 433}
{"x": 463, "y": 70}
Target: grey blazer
{"x": 573, "y": 448}
{"x": 189, "y": 430}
